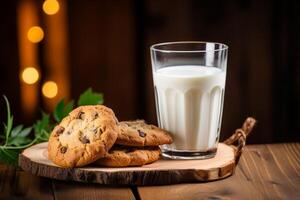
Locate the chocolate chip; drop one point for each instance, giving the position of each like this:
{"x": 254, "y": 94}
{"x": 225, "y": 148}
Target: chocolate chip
{"x": 80, "y": 134}
{"x": 60, "y": 130}
{"x": 102, "y": 129}
{"x": 80, "y": 115}
{"x": 95, "y": 130}
{"x": 84, "y": 140}
{"x": 142, "y": 134}
{"x": 63, "y": 149}
{"x": 96, "y": 115}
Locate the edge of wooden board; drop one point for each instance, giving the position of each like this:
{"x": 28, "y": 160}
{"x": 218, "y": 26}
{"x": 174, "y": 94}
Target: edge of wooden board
{"x": 128, "y": 177}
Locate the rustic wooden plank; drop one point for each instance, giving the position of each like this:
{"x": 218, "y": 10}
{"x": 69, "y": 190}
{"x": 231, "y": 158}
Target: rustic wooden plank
{"x": 283, "y": 164}
{"x": 3, "y": 172}
{"x": 74, "y": 190}
{"x": 264, "y": 172}
{"x": 16, "y": 184}
{"x": 256, "y": 164}
{"x": 288, "y": 171}
{"x": 227, "y": 188}
{"x": 30, "y": 187}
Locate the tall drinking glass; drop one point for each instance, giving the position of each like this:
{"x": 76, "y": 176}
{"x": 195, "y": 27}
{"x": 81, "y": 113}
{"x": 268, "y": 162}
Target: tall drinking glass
{"x": 189, "y": 81}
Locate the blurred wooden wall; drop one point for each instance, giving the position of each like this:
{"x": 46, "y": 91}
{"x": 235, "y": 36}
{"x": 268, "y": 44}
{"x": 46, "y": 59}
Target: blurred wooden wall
{"x": 103, "y": 52}
{"x": 9, "y": 61}
{"x": 109, "y": 50}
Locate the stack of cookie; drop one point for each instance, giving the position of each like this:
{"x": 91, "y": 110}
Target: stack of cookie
{"x": 92, "y": 134}
{"x": 137, "y": 144}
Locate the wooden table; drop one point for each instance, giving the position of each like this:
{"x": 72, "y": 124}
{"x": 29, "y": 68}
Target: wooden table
{"x": 264, "y": 172}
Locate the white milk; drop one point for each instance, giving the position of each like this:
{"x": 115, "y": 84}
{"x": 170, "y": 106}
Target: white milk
{"x": 189, "y": 102}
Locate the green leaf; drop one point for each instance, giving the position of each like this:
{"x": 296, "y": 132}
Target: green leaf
{"x": 42, "y": 123}
{"x": 10, "y": 119}
{"x": 9, "y": 156}
{"x": 18, "y": 141}
{"x": 42, "y": 128}
{"x": 61, "y": 110}
{"x": 90, "y": 98}
{"x": 16, "y": 130}
{"x": 58, "y": 111}
{"x": 19, "y": 138}
{"x": 43, "y": 136}
{"x": 68, "y": 108}
{"x": 25, "y": 132}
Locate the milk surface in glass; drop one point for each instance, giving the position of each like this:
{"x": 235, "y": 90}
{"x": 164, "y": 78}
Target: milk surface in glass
{"x": 189, "y": 102}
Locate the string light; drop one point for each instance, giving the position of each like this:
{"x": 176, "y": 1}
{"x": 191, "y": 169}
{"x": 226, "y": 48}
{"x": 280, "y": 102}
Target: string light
{"x": 35, "y": 34}
{"x": 50, "y": 89}
{"x": 30, "y": 75}
{"x": 51, "y": 7}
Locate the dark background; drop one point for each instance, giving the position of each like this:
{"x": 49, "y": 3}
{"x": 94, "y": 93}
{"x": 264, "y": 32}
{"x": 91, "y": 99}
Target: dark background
{"x": 109, "y": 51}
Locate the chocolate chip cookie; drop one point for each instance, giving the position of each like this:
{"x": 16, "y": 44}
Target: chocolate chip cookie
{"x": 122, "y": 156}
{"x": 138, "y": 133}
{"x": 85, "y": 135}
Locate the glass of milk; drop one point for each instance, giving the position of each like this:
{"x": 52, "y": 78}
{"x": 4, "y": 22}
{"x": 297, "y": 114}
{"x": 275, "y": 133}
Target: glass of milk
{"x": 189, "y": 82}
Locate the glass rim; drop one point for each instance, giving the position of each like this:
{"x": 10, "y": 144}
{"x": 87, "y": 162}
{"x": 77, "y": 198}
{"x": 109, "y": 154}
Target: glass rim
{"x": 154, "y": 47}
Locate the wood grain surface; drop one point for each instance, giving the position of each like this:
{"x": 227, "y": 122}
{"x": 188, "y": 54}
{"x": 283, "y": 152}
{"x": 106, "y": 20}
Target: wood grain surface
{"x": 17, "y": 184}
{"x": 264, "y": 172}
{"x": 35, "y": 160}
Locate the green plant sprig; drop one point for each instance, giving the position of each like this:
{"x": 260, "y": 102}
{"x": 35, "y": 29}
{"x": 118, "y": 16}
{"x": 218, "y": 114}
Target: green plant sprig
{"x": 15, "y": 139}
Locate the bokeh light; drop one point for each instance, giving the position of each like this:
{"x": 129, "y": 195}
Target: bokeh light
{"x": 30, "y": 75}
{"x": 51, "y": 7}
{"x": 50, "y": 89}
{"x": 35, "y": 34}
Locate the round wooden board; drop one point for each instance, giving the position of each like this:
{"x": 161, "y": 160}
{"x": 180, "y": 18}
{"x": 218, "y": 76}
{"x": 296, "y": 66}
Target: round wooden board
{"x": 34, "y": 160}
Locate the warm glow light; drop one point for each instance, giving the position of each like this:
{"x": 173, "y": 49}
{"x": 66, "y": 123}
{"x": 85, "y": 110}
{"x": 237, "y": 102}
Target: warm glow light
{"x": 30, "y": 75}
{"x": 50, "y": 89}
{"x": 35, "y": 34}
{"x": 50, "y": 7}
